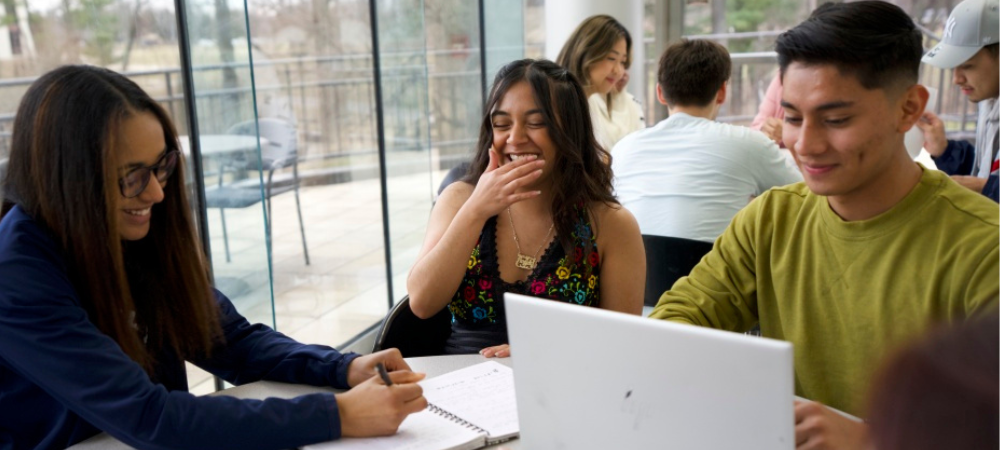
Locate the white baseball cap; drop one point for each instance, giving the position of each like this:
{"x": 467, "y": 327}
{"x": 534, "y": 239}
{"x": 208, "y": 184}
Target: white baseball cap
{"x": 972, "y": 25}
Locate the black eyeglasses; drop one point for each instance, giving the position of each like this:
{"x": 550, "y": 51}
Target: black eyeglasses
{"x": 136, "y": 180}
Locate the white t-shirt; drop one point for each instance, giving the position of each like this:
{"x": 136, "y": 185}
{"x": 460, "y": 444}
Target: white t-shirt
{"x": 625, "y": 117}
{"x": 688, "y": 176}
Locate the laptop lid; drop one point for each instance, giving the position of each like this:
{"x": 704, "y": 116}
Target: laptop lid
{"x": 586, "y": 378}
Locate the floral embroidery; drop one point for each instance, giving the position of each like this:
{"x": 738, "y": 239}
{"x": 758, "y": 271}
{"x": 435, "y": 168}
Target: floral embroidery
{"x": 583, "y": 230}
{"x": 572, "y": 277}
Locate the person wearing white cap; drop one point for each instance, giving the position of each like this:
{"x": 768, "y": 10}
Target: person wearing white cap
{"x": 969, "y": 46}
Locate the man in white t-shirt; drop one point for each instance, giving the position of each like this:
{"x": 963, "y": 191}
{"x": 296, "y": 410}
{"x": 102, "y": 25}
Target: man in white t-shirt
{"x": 688, "y": 175}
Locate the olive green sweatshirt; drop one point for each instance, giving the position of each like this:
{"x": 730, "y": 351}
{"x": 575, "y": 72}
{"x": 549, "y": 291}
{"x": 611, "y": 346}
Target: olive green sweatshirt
{"x": 845, "y": 293}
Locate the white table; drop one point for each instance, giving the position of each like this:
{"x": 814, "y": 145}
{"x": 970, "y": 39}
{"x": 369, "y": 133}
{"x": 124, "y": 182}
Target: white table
{"x": 216, "y": 145}
{"x": 431, "y": 365}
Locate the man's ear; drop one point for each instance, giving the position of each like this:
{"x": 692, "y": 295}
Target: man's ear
{"x": 911, "y": 106}
{"x": 659, "y": 95}
{"x": 720, "y": 97}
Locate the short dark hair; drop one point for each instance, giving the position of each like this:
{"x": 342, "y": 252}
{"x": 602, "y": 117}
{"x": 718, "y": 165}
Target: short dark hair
{"x": 691, "y": 72}
{"x": 874, "y": 41}
{"x": 993, "y": 49}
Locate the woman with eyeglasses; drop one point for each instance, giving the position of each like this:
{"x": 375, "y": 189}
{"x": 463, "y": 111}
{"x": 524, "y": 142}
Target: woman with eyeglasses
{"x": 104, "y": 293}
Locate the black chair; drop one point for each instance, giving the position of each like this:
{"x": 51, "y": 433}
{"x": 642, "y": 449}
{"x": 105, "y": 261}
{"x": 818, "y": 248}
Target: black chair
{"x": 412, "y": 335}
{"x": 5, "y": 203}
{"x": 3, "y": 175}
{"x": 667, "y": 260}
{"x": 456, "y": 173}
{"x": 280, "y": 152}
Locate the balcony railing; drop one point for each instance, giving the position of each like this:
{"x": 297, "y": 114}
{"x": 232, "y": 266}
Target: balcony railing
{"x": 331, "y": 100}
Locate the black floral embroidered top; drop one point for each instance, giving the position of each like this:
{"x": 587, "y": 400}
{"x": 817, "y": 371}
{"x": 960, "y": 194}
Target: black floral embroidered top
{"x": 477, "y": 307}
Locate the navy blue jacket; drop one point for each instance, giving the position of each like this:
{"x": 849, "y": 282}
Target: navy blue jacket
{"x": 63, "y": 381}
{"x": 957, "y": 159}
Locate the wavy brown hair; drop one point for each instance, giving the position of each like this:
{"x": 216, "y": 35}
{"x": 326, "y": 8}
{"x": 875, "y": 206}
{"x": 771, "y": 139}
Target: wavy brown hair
{"x": 582, "y": 168}
{"x": 591, "y": 42}
{"x": 63, "y": 172}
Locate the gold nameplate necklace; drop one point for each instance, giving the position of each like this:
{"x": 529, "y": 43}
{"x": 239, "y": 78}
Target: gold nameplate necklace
{"x": 524, "y": 261}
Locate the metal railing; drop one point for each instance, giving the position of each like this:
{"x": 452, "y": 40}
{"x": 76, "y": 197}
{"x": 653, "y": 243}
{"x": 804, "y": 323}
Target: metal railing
{"x": 753, "y": 71}
{"x": 331, "y": 99}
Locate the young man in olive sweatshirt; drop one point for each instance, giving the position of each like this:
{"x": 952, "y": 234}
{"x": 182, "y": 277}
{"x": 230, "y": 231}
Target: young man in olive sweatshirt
{"x": 871, "y": 248}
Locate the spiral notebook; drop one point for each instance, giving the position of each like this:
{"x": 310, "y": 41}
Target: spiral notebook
{"x": 467, "y": 409}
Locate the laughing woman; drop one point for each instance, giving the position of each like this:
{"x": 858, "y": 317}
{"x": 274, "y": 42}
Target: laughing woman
{"x": 104, "y": 292}
{"x": 535, "y": 216}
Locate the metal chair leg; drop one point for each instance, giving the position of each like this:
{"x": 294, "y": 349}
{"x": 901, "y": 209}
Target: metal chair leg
{"x": 269, "y": 224}
{"x": 225, "y": 234}
{"x": 302, "y": 228}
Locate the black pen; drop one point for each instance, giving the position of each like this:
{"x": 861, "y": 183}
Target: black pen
{"x": 380, "y": 368}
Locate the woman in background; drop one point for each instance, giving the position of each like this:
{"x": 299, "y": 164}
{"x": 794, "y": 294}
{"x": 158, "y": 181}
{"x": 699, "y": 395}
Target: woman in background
{"x": 104, "y": 293}
{"x": 770, "y": 115}
{"x": 599, "y": 53}
{"x": 535, "y": 216}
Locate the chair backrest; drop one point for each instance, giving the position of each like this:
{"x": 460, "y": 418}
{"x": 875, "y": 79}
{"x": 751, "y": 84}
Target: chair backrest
{"x": 3, "y": 177}
{"x": 282, "y": 138}
{"x": 412, "y": 335}
{"x": 456, "y": 173}
{"x": 667, "y": 260}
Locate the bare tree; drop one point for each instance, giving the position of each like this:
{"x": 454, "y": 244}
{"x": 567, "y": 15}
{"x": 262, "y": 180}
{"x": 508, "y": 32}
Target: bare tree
{"x": 224, "y": 38}
{"x": 133, "y": 32}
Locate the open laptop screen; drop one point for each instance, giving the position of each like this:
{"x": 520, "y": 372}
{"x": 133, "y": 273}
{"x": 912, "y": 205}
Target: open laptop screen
{"x": 586, "y": 378}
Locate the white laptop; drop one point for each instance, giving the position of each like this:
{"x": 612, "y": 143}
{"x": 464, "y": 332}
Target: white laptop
{"x": 586, "y": 378}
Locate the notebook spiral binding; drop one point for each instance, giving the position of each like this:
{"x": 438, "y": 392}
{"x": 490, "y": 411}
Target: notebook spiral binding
{"x": 447, "y": 415}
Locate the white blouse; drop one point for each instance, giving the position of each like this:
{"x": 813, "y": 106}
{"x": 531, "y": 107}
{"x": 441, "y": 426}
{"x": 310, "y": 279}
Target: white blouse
{"x": 625, "y": 117}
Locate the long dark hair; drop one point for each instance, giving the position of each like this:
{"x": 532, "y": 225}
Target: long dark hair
{"x": 582, "y": 170}
{"x": 63, "y": 172}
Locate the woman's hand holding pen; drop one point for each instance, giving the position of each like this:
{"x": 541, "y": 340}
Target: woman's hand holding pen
{"x": 502, "y": 185}
{"x": 381, "y": 397}
{"x": 363, "y": 367}
{"x": 374, "y": 409}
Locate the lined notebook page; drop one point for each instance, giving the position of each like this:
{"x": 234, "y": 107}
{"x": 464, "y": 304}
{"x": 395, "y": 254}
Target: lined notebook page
{"x": 482, "y": 395}
{"x": 421, "y": 431}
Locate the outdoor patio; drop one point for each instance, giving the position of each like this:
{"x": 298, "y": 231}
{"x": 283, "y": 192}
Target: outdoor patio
{"x": 343, "y": 290}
